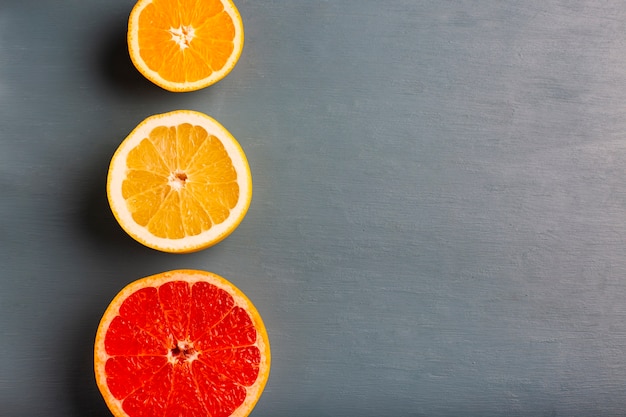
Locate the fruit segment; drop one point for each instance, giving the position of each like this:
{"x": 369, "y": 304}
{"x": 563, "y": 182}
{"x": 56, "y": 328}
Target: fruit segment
{"x": 129, "y": 373}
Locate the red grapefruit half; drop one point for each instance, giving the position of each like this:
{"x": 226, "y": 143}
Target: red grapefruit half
{"x": 180, "y": 344}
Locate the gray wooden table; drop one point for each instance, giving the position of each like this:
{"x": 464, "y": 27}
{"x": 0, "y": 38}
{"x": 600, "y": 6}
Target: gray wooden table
{"x": 438, "y": 226}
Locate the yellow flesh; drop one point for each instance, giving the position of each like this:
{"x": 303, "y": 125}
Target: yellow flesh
{"x": 180, "y": 182}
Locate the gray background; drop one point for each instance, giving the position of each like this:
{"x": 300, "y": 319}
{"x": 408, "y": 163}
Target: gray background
{"x": 438, "y": 220}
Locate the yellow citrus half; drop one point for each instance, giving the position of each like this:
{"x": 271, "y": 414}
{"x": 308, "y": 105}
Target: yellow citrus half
{"x": 185, "y": 45}
{"x": 179, "y": 182}
{"x": 182, "y": 343}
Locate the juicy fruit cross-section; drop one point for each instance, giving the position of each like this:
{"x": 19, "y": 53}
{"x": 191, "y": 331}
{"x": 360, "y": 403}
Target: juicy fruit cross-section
{"x": 184, "y": 343}
{"x": 185, "y": 45}
{"x": 179, "y": 182}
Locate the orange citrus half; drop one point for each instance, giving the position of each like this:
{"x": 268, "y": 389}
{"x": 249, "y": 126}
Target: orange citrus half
{"x": 182, "y": 343}
{"x": 179, "y": 182}
{"x": 185, "y": 45}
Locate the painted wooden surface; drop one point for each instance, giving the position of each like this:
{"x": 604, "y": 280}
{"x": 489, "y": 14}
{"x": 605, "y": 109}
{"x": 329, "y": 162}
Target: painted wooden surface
{"x": 438, "y": 220}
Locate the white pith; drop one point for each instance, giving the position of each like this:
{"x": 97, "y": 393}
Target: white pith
{"x": 183, "y": 35}
{"x": 174, "y": 181}
{"x": 118, "y": 172}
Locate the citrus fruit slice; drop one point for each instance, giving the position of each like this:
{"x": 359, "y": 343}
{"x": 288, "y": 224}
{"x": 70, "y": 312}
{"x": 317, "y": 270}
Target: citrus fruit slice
{"x": 185, "y": 45}
{"x": 179, "y": 182}
{"x": 180, "y": 344}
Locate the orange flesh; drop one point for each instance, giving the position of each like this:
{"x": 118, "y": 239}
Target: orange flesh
{"x": 180, "y": 182}
{"x": 181, "y": 350}
{"x": 185, "y": 40}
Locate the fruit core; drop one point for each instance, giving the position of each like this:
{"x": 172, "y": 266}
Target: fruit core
{"x": 183, "y": 35}
{"x": 182, "y": 352}
{"x": 177, "y": 180}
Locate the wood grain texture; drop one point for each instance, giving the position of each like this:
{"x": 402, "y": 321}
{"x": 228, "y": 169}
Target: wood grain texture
{"x": 438, "y": 218}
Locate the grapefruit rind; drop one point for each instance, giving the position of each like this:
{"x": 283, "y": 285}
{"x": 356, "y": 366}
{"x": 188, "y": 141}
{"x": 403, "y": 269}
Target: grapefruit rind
{"x": 190, "y": 276}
